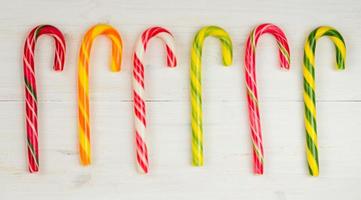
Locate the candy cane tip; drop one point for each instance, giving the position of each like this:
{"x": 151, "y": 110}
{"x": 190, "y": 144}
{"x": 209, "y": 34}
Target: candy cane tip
{"x": 172, "y": 63}
{"x": 227, "y": 62}
{"x": 258, "y": 170}
{"x": 314, "y": 173}
{"x": 115, "y": 70}
{"x": 198, "y": 164}
{"x": 342, "y": 67}
{"x": 34, "y": 171}
{"x": 58, "y": 69}
{"x": 85, "y": 162}
{"x": 286, "y": 67}
{"x": 143, "y": 171}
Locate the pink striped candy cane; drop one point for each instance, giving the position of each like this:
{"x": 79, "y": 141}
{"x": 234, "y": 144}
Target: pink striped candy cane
{"x": 252, "y": 94}
{"x": 138, "y": 88}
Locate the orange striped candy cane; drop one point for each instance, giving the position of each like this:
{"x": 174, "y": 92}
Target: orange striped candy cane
{"x": 83, "y": 82}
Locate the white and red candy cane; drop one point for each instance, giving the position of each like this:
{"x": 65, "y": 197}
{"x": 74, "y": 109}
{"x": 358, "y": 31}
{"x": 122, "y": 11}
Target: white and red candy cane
{"x": 252, "y": 94}
{"x": 138, "y": 88}
{"x": 30, "y": 86}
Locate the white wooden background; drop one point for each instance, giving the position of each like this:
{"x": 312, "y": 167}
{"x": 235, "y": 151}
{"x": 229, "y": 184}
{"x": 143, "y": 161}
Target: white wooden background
{"x": 227, "y": 172}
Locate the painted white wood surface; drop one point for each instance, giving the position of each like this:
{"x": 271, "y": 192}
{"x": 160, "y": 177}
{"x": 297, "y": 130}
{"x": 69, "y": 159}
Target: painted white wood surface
{"x": 227, "y": 172}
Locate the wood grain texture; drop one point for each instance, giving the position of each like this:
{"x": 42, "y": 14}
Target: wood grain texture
{"x": 227, "y": 172}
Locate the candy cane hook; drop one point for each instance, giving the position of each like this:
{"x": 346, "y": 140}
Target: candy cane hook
{"x": 30, "y": 86}
{"x": 196, "y": 83}
{"x": 252, "y": 94}
{"x": 138, "y": 88}
{"x": 309, "y": 88}
{"x": 83, "y": 82}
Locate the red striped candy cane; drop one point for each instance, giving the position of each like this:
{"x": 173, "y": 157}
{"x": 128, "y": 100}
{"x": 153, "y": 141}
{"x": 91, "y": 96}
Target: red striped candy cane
{"x": 252, "y": 94}
{"x": 30, "y": 86}
{"x": 138, "y": 88}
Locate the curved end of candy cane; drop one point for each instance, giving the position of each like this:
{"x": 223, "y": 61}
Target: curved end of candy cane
{"x": 337, "y": 40}
{"x": 227, "y": 52}
{"x": 171, "y": 57}
{"x": 117, "y": 44}
{"x": 116, "y": 57}
{"x": 285, "y": 58}
{"x": 285, "y": 65}
{"x": 227, "y": 59}
{"x": 172, "y": 63}
{"x": 115, "y": 66}
{"x": 219, "y": 33}
{"x": 163, "y": 34}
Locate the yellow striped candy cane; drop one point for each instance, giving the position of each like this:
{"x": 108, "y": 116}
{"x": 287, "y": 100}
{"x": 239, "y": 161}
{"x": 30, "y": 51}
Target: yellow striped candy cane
{"x": 83, "y": 82}
{"x": 309, "y": 88}
{"x": 196, "y": 83}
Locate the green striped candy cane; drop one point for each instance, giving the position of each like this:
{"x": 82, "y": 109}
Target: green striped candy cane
{"x": 309, "y": 88}
{"x": 196, "y": 83}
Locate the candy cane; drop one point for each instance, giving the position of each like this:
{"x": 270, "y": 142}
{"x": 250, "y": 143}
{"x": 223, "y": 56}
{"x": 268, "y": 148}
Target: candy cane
{"x": 309, "y": 88}
{"x": 138, "y": 88}
{"x": 83, "y": 82}
{"x": 252, "y": 94}
{"x": 30, "y": 86}
{"x": 196, "y": 83}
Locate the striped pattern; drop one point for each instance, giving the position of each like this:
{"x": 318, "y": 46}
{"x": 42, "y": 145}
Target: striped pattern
{"x": 252, "y": 94}
{"x": 83, "y": 82}
{"x": 309, "y": 88}
{"x": 140, "y": 122}
{"x": 196, "y": 83}
{"x": 30, "y": 86}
